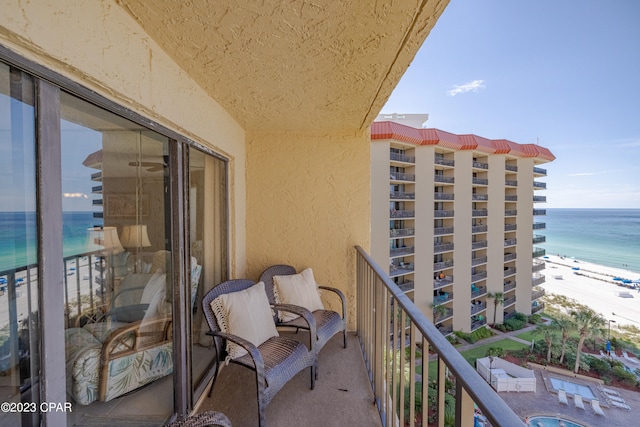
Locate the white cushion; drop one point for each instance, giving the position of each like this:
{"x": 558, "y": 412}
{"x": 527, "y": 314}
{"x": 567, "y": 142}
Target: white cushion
{"x": 246, "y": 314}
{"x": 155, "y": 284}
{"x": 297, "y": 289}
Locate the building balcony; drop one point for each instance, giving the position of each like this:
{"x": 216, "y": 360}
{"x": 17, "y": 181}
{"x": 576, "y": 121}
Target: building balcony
{"x": 510, "y": 242}
{"x": 441, "y": 213}
{"x": 538, "y": 252}
{"x": 396, "y": 252}
{"x": 509, "y": 285}
{"x": 509, "y": 271}
{"x": 446, "y": 314}
{"x": 480, "y": 165}
{"x": 539, "y": 238}
{"x": 509, "y": 256}
{"x": 401, "y": 195}
{"x": 403, "y": 158}
{"x": 538, "y": 279}
{"x": 442, "y": 265}
{"x": 539, "y": 225}
{"x": 445, "y": 162}
{"x": 511, "y": 212}
{"x": 510, "y": 227}
{"x": 510, "y": 198}
{"x": 537, "y": 185}
{"x": 396, "y": 270}
{"x": 479, "y": 244}
{"x": 478, "y": 291}
{"x": 479, "y": 229}
{"x": 442, "y": 247}
{"x": 401, "y": 232}
{"x": 511, "y": 168}
{"x": 539, "y": 212}
{"x": 537, "y": 307}
{"x": 480, "y": 181}
{"x": 442, "y": 297}
{"x": 399, "y": 176}
{"x": 444, "y": 179}
{"x": 479, "y": 212}
{"x": 539, "y": 171}
{"x": 538, "y": 199}
{"x": 439, "y": 231}
{"x": 478, "y": 323}
{"x": 537, "y": 293}
{"x": 508, "y": 302}
{"x": 479, "y": 276}
{"x": 443, "y": 282}
{"x": 478, "y": 261}
{"x": 401, "y": 214}
{"x": 538, "y": 266}
{"x": 480, "y": 197}
{"x": 477, "y": 308}
{"x": 443, "y": 196}
{"x": 511, "y": 183}
{"x": 407, "y": 286}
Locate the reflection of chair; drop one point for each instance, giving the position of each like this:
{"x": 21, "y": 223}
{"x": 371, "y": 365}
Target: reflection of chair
{"x": 204, "y": 419}
{"x": 239, "y": 316}
{"x": 328, "y": 323}
{"x": 126, "y": 348}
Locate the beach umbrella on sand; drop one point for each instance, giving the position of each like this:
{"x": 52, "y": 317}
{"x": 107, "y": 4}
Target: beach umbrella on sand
{"x": 618, "y": 279}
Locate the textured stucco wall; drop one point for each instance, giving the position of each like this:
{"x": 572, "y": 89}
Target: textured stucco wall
{"x": 308, "y": 204}
{"x": 99, "y": 45}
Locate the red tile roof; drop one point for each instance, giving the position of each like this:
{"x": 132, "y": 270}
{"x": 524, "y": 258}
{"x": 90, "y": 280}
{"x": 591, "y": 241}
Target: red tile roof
{"x": 410, "y": 135}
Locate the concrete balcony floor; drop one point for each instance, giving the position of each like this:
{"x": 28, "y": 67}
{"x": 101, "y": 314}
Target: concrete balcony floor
{"x": 342, "y": 394}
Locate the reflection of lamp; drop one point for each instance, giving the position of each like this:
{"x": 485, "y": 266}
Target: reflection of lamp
{"x": 135, "y": 237}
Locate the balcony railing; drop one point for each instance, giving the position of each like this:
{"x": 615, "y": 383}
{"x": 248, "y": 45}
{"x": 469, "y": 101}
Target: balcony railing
{"x": 538, "y": 184}
{"x": 407, "y": 250}
{"x": 539, "y": 238}
{"x": 478, "y": 291}
{"x": 442, "y": 265}
{"x": 512, "y": 168}
{"x": 479, "y": 229}
{"x": 538, "y": 252}
{"x": 511, "y": 183}
{"x": 510, "y": 227}
{"x": 402, "y": 214}
{"x": 477, "y": 308}
{"x": 479, "y": 212}
{"x": 392, "y": 363}
{"x": 480, "y": 165}
{"x": 539, "y": 198}
{"x": 439, "y": 231}
{"x": 442, "y": 247}
{"x": 510, "y": 242}
{"x": 509, "y": 285}
{"x": 539, "y": 212}
{"x": 539, "y": 171}
{"x": 509, "y": 302}
{"x": 479, "y": 244}
{"x": 441, "y": 213}
{"x": 478, "y": 260}
{"x": 537, "y": 293}
{"x": 441, "y": 283}
{"x": 402, "y": 232}
{"x": 443, "y": 196}
{"x": 479, "y": 197}
{"x": 511, "y": 198}
{"x": 402, "y": 158}
{"x": 400, "y": 195}
{"x": 479, "y": 276}
{"x": 509, "y": 271}
{"x": 480, "y": 181}
{"x": 538, "y": 279}
{"x": 477, "y": 324}
{"x": 538, "y": 266}
{"x": 509, "y": 256}
{"x": 535, "y": 308}
{"x": 511, "y": 212}
{"x": 539, "y": 225}
{"x": 445, "y": 162}
{"x": 399, "y": 176}
{"x": 445, "y": 179}
{"x": 443, "y": 297}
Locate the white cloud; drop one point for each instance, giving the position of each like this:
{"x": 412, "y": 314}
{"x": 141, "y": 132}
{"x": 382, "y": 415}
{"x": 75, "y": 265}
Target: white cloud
{"x": 473, "y": 86}
{"x": 582, "y": 174}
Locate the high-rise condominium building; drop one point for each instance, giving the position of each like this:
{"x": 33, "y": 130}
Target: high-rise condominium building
{"x": 455, "y": 218}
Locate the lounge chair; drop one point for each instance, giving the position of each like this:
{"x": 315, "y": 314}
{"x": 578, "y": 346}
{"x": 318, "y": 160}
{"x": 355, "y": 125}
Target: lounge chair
{"x": 615, "y": 399}
{"x": 609, "y": 391}
{"x": 620, "y": 405}
{"x": 595, "y": 405}
{"x": 577, "y": 398}
{"x": 562, "y": 397}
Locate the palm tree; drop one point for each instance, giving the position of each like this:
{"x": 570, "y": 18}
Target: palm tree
{"x": 587, "y": 321}
{"x": 564, "y": 325}
{"x": 498, "y": 298}
{"x": 548, "y": 332}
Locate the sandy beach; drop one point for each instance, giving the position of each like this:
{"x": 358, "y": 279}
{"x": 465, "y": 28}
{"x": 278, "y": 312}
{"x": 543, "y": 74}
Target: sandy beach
{"x": 593, "y": 285}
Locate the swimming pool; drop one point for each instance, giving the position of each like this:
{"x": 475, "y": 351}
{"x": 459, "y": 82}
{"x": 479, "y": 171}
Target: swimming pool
{"x": 572, "y": 388}
{"x": 551, "y": 422}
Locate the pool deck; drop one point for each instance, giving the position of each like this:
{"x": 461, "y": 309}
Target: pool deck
{"x": 545, "y": 402}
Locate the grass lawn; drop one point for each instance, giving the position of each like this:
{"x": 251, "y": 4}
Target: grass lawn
{"x": 480, "y": 351}
{"x": 528, "y": 336}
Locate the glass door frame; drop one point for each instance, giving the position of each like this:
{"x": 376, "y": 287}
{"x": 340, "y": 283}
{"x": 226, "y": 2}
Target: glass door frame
{"x": 52, "y": 385}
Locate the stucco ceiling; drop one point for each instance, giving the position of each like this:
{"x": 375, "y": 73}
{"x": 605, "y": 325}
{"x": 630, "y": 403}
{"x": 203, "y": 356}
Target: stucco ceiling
{"x": 292, "y": 65}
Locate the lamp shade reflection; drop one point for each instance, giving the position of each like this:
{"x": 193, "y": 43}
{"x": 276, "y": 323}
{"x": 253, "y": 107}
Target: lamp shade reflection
{"x": 135, "y": 236}
{"x": 104, "y": 239}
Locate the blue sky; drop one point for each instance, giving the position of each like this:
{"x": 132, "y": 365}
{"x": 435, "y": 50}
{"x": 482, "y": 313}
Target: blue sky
{"x": 564, "y": 74}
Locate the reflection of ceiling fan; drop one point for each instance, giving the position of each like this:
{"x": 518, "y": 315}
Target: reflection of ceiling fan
{"x": 151, "y": 166}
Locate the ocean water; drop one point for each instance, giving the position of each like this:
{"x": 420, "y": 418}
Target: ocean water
{"x": 608, "y": 237}
{"x": 18, "y": 236}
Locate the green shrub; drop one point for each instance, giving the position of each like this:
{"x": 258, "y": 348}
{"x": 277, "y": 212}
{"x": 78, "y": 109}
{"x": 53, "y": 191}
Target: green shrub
{"x": 535, "y": 319}
{"x": 495, "y": 351}
{"x": 520, "y": 316}
{"x": 514, "y": 324}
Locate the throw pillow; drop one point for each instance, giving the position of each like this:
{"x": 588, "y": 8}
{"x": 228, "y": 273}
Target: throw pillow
{"x": 297, "y": 289}
{"x": 246, "y": 314}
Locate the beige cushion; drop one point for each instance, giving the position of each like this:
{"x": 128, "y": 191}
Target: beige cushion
{"x": 297, "y": 289}
{"x": 246, "y": 314}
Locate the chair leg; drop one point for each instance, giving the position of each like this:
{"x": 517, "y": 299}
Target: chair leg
{"x": 344, "y": 336}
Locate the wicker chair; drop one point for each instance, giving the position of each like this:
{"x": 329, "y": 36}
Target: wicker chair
{"x": 328, "y": 323}
{"x": 275, "y": 361}
{"x": 204, "y": 419}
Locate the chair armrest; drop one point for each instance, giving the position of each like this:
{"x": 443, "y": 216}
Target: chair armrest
{"x": 305, "y": 314}
{"x": 253, "y": 351}
{"x": 343, "y": 300}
